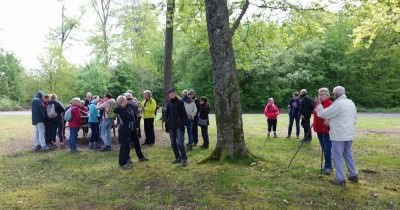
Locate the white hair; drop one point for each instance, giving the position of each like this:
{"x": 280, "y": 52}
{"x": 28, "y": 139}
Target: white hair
{"x": 270, "y": 99}
{"x": 339, "y": 91}
{"x": 325, "y": 90}
{"x": 302, "y": 91}
{"x": 128, "y": 95}
{"x": 89, "y": 94}
{"x": 148, "y": 92}
{"x": 185, "y": 92}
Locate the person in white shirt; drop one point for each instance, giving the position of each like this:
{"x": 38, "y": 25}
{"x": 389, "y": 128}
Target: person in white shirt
{"x": 342, "y": 116}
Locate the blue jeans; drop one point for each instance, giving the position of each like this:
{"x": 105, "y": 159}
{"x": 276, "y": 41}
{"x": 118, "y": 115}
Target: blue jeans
{"x": 326, "y": 146}
{"x": 342, "y": 150}
{"x": 73, "y": 135}
{"x": 105, "y": 131}
{"x": 177, "y": 143}
{"x": 94, "y": 127}
{"x": 39, "y": 135}
{"x": 189, "y": 127}
{"x": 294, "y": 117}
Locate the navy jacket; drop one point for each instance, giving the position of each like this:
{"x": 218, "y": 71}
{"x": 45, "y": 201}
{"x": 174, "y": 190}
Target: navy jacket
{"x": 176, "y": 116}
{"x": 38, "y": 112}
{"x": 306, "y": 106}
{"x": 294, "y": 107}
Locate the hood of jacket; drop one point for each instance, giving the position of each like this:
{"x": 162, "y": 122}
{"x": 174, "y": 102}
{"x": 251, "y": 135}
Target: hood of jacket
{"x": 39, "y": 95}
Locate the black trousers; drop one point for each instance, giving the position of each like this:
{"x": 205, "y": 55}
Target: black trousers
{"x": 272, "y": 124}
{"x": 136, "y": 144}
{"x": 53, "y": 130}
{"x": 149, "y": 131}
{"x": 47, "y": 132}
{"x": 139, "y": 131}
{"x": 195, "y": 131}
{"x": 204, "y": 134}
{"x": 305, "y": 123}
{"x": 124, "y": 137}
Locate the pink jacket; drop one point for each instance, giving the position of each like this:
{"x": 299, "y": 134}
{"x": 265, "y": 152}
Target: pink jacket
{"x": 271, "y": 111}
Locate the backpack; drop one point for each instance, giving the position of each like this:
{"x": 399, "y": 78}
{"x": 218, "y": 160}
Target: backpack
{"x": 51, "y": 111}
{"x": 111, "y": 113}
{"x": 68, "y": 115}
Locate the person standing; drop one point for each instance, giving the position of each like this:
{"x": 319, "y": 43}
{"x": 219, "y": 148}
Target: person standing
{"x": 191, "y": 111}
{"x": 321, "y": 127}
{"x": 342, "y": 115}
{"x": 204, "y": 121}
{"x": 294, "y": 114}
{"x": 94, "y": 123}
{"x": 192, "y": 94}
{"x": 148, "y": 109}
{"x": 47, "y": 123}
{"x": 88, "y": 99}
{"x": 306, "y": 109}
{"x": 176, "y": 118}
{"x": 133, "y": 110}
{"x": 107, "y": 120}
{"x": 54, "y": 114}
{"x": 271, "y": 112}
{"x": 74, "y": 124}
{"x": 125, "y": 123}
{"x": 38, "y": 120}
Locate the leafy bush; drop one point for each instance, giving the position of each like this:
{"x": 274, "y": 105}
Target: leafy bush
{"x": 9, "y": 105}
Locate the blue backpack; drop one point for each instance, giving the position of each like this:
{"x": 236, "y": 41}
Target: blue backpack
{"x": 68, "y": 115}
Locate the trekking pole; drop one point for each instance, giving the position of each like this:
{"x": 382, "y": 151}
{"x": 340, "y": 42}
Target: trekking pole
{"x": 322, "y": 152}
{"x": 302, "y": 142}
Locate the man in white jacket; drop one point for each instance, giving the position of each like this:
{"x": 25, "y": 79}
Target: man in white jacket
{"x": 191, "y": 111}
{"x": 342, "y": 116}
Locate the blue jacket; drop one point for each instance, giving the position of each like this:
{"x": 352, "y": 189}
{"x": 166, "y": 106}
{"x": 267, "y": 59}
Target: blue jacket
{"x": 93, "y": 113}
{"x": 294, "y": 106}
{"x": 38, "y": 112}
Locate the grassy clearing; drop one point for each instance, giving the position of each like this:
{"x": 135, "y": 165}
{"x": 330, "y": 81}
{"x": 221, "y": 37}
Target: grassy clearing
{"x": 90, "y": 180}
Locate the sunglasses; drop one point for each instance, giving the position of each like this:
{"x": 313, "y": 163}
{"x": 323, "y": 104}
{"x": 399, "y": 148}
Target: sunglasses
{"x": 129, "y": 99}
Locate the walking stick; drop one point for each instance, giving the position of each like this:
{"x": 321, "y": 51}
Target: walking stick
{"x": 302, "y": 142}
{"x": 322, "y": 152}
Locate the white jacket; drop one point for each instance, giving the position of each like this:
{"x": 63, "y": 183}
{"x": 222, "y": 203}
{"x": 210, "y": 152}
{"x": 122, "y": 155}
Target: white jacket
{"x": 191, "y": 109}
{"x": 342, "y": 115}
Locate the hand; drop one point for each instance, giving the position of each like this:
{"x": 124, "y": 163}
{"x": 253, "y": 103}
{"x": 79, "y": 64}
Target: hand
{"x": 326, "y": 122}
{"x": 317, "y": 101}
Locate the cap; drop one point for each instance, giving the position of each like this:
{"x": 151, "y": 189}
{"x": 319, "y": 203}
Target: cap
{"x": 171, "y": 89}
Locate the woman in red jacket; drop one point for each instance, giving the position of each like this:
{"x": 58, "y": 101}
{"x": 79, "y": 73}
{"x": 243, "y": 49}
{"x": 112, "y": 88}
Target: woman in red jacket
{"x": 321, "y": 127}
{"x": 271, "y": 112}
{"x": 74, "y": 124}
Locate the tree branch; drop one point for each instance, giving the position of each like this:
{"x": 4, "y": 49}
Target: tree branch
{"x": 286, "y": 6}
{"x": 237, "y": 22}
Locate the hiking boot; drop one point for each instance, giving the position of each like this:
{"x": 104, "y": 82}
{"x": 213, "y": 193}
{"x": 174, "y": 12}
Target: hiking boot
{"x": 143, "y": 159}
{"x": 75, "y": 151}
{"x": 338, "y": 183}
{"x": 37, "y": 148}
{"x": 203, "y": 147}
{"x": 269, "y": 134}
{"x": 129, "y": 161}
{"x": 176, "y": 161}
{"x": 327, "y": 171}
{"x": 275, "y": 136}
{"x": 353, "y": 178}
{"x": 189, "y": 148}
{"x": 44, "y": 148}
{"x": 288, "y": 137}
{"x": 184, "y": 163}
{"x": 105, "y": 149}
{"x": 127, "y": 166}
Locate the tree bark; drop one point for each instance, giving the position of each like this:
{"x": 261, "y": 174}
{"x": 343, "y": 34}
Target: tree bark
{"x": 228, "y": 110}
{"x": 169, "y": 43}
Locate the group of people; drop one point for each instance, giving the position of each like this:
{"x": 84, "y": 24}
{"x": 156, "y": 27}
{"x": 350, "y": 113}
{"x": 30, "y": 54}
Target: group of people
{"x": 49, "y": 117}
{"x": 334, "y": 123}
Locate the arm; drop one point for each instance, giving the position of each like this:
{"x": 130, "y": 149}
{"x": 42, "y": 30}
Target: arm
{"x": 329, "y": 112}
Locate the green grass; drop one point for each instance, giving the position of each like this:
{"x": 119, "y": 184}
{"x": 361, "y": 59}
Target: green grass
{"x": 90, "y": 180}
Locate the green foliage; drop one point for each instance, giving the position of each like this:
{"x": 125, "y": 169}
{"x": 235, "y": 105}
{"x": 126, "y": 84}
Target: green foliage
{"x": 94, "y": 78}
{"x": 10, "y": 72}
{"x": 8, "y": 105}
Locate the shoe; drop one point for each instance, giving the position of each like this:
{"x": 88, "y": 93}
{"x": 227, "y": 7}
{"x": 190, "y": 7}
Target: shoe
{"x": 189, "y": 148}
{"x": 44, "y": 148}
{"x": 269, "y": 134}
{"x": 194, "y": 145}
{"x": 75, "y": 151}
{"x": 176, "y": 161}
{"x": 353, "y": 178}
{"x": 327, "y": 171}
{"x": 297, "y": 137}
{"x": 275, "y": 136}
{"x": 203, "y": 147}
{"x": 184, "y": 163}
{"x": 62, "y": 146}
{"x": 129, "y": 161}
{"x": 143, "y": 159}
{"x": 127, "y": 166}
{"x": 288, "y": 137}
{"x": 338, "y": 183}
{"x": 37, "y": 148}
{"x": 52, "y": 146}
{"x": 105, "y": 149}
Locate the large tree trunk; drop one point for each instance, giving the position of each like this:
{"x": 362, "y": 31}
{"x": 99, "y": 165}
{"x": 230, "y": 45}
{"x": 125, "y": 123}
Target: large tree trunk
{"x": 228, "y": 111}
{"x": 169, "y": 43}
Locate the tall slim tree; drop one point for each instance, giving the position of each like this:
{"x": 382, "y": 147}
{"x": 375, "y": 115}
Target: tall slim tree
{"x": 169, "y": 43}
{"x": 102, "y": 9}
{"x": 228, "y": 110}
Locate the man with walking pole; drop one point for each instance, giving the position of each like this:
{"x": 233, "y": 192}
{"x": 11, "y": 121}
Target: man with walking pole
{"x": 321, "y": 127}
{"x": 342, "y": 121}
